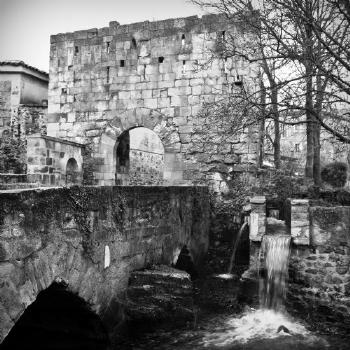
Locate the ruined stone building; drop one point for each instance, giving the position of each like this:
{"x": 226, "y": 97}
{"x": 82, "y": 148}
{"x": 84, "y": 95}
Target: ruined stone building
{"x": 294, "y": 145}
{"x": 23, "y": 99}
{"x": 131, "y": 96}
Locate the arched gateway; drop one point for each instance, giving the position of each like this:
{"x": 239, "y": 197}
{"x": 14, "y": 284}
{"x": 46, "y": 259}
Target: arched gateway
{"x": 138, "y": 155}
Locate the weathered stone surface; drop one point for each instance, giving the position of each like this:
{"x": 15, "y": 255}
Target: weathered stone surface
{"x": 330, "y": 226}
{"x": 320, "y": 275}
{"x": 257, "y": 226}
{"x": 63, "y": 161}
{"x": 151, "y": 81}
{"x": 65, "y": 233}
{"x": 298, "y": 220}
{"x": 161, "y": 294}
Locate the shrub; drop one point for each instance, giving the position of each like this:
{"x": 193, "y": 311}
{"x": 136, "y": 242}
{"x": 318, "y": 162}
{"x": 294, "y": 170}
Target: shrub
{"x": 12, "y": 155}
{"x": 335, "y": 174}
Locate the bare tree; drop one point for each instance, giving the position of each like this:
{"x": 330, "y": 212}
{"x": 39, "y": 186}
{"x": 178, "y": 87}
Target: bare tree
{"x": 308, "y": 39}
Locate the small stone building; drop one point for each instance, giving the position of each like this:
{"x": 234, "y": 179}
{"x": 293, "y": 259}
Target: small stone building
{"x": 23, "y": 99}
{"x": 23, "y": 119}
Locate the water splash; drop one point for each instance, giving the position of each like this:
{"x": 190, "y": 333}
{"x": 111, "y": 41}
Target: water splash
{"x": 269, "y": 325}
{"x": 274, "y": 255}
{"x": 255, "y": 325}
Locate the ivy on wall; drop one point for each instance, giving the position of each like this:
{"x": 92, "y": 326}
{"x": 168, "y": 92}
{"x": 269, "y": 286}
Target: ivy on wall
{"x": 12, "y": 155}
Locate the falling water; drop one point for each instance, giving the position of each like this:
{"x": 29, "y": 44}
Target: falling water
{"x": 274, "y": 255}
{"x": 245, "y": 224}
{"x": 269, "y": 323}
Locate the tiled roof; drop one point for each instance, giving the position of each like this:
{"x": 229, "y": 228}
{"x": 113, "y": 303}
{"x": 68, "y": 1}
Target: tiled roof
{"x": 15, "y": 63}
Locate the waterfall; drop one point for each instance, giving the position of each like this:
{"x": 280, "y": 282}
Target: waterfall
{"x": 274, "y": 257}
{"x": 270, "y": 321}
{"x": 232, "y": 260}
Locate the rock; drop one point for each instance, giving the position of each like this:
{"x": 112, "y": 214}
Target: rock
{"x": 283, "y": 329}
{"x": 161, "y": 294}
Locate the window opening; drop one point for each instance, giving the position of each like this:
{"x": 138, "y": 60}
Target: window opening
{"x": 134, "y": 44}
{"x": 238, "y": 81}
{"x": 122, "y": 63}
{"x": 76, "y": 50}
{"x": 183, "y": 66}
{"x": 108, "y": 46}
{"x": 161, "y": 59}
{"x": 183, "y": 39}
{"x": 108, "y": 69}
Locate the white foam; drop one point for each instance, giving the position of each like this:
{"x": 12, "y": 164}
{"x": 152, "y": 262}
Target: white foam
{"x": 225, "y": 276}
{"x": 257, "y": 324}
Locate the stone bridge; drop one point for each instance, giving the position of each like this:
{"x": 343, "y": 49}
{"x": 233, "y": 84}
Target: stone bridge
{"x": 90, "y": 239}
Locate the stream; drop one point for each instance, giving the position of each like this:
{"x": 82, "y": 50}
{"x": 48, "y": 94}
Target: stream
{"x": 267, "y": 326}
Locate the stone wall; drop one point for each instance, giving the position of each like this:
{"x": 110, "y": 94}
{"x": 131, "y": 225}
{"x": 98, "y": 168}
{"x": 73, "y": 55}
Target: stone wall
{"x": 48, "y": 159}
{"x": 28, "y": 120}
{"x": 159, "y": 75}
{"x": 11, "y": 181}
{"x": 320, "y": 273}
{"x": 91, "y": 239}
{"x": 5, "y": 105}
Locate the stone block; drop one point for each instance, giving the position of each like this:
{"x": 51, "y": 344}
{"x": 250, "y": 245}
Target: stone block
{"x": 151, "y": 103}
{"x": 166, "y": 84}
{"x": 180, "y": 121}
{"x": 257, "y": 225}
{"x": 197, "y": 90}
{"x": 146, "y": 94}
{"x": 182, "y": 82}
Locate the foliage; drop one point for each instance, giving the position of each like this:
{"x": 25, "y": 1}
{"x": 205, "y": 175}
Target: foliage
{"x": 303, "y": 49}
{"x": 335, "y": 174}
{"x": 88, "y": 166}
{"x": 280, "y": 185}
{"x": 12, "y": 155}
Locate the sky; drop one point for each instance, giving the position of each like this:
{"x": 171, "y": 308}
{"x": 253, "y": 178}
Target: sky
{"x": 26, "y": 25}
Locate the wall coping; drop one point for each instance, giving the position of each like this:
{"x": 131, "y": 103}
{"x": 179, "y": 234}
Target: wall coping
{"x": 258, "y": 200}
{"x": 56, "y": 139}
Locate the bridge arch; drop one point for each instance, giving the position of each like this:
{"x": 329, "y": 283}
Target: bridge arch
{"x": 60, "y": 235}
{"x": 60, "y": 319}
{"x": 63, "y": 262}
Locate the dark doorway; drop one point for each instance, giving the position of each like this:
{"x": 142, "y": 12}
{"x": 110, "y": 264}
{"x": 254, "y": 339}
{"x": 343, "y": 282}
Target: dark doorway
{"x": 72, "y": 174}
{"x": 58, "y": 319}
{"x": 123, "y": 157}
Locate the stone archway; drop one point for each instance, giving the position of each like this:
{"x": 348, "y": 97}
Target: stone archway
{"x": 72, "y": 172}
{"x": 106, "y": 159}
{"x": 61, "y": 261}
{"x": 139, "y": 158}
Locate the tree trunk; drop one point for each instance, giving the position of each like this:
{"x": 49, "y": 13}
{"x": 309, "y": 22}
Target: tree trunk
{"x": 320, "y": 88}
{"x": 309, "y": 166}
{"x": 317, "y": 154}
{"x": 261, "y": 145}
{"x": 276, "y": 123}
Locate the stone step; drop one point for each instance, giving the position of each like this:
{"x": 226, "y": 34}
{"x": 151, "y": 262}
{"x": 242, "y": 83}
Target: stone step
{"x": 160, "y": 294}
